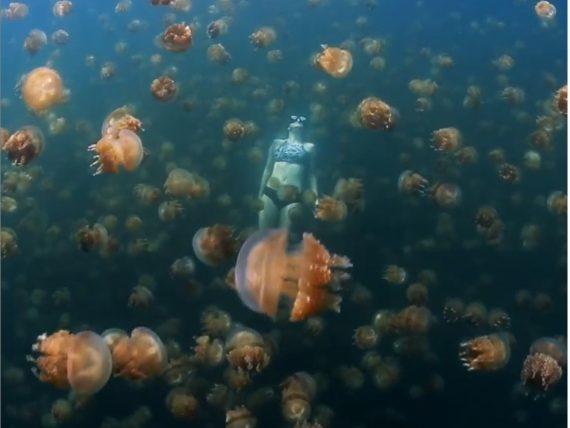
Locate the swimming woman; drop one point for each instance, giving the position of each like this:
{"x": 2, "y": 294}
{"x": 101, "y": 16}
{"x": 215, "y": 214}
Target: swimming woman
{"x": 288, "y": 173}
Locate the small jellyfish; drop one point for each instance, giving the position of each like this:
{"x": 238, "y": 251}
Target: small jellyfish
{"x": 42, "y": 88}
{"x": 395, "y": 275}
{"x": 183, "y": 268}
{"x": 90, "y": 238}
{"x": 504, "y": 62}
{"x": 265, "y": 272}
{"x": 60, "y": 37}
{"x": 35, "y": 41}
{"x": 215, "y": 322}
{"x": 557, "y": 203}
{"x": 62, "y": 8}
{"x": 217, "y": 54}
{"x": 263, "y": 37}
{"x": 113, "y": 152}
{"x": 351, "y": 192}
{"x": 453, "y": 309}
{"x": 509, "y": 173}
{"x": 217, "y": 28}
{"x": 183, "y": 183}
{"x": 412, "y": 319}
{"x": 330, "y": 209}
{"x": 120, "y": 118}
{"x": 177, "y": 37}
{"x": 107, "y": 70}
{"x": 560, "y": 101}
{"x": 80, "y": 361}
{"x": 141, "y": 298}
{"x": 540, "y": 372}
{"x": 365, "y": 337}
{"x": 163, "y": 88}
{"x": 170, "y": 210}
{"x": 8, "y": 242}
{"x": 234, "y": 129}
{"x": 182, "y": 404}
{"x": 214, "y": 245}
{"x": 423, "y": 88}
{"x": 335, "y": 62}
{"x": 545, "y": 11}
{"x": 208, "y": 352}
{"x": 446, "y": 195}
{"x": 373, "y": 113}
{"x": 446, "y": 139}
{"x": 412, "y": 183}
{"x": 24, "y": 145}
{"x": 485, "y": 353}
{"x": 138, "y": 357}
{"x": 297, "y": 393}
{"x": 240, "y": 417}
{"x": 15, "y": 11}
{"x": 246, "y": 350}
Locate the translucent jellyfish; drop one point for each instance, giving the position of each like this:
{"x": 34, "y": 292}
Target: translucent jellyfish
{"x": 265, "y": 272}
{"x": 486, "y": 353}
{"x": 24, "y": 145}
{"x": 351, "y": 192}
{"x": 545, "y": 11}
{"x": 234, "y": 129}
{"x": 557, "y": 203}
{"x": 35, "y": 40}
{"x": 446, "y": 195}
{"x": 183, "y": 268}
{"x": 297, "y": 393}
{"x": 423, "y": 88}
{"x": 365, "y": 337}
{"x": 62, "y": 8}
{"x": 560, "y": 101}
{"x": 138, "y": 357}
{"x": 42, "y": 88}
{"x": 509, "y": 173}
{"x": 246, "y": 350}
{"x": 214, "y": 245}
{"x": 107, "y": 70}
{"x": 263, "y": 37}
{"x": 373, "y": 113}
{"x": 394, "y": 274}
{"x": 163, "y": 88}
{"x": 330, "y": 209}
{"x": 182, "y": 404}
{"x": 217, "y": 54}
{"x": 8, "y": 242}
{"x": 170, "y": 210}
{"x": 60, "y": 37}
{"x": 80, "y": 361}
{"x": 90, "y": 238}
{"x": 183, "y": 183}
{"x": 125, "y": 150}
{"x": 504, "y": 62}
{"x": 240, "y": 417}
{"x": 412, "y": 319}
{"x": 540, "y": 372}
{"x": 412, "y": 183}
{"x": 446, "y": 139}
{"x": 120, "y": 118}
{"x": 177, "y": 37}
{"x": 217, "y": 28}
{"x": 15, "y": 11}
{"x": 334, "y": 61}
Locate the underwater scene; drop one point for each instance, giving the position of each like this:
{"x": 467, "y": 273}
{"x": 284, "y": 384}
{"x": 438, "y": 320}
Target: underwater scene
{"x": 268, "y": 213}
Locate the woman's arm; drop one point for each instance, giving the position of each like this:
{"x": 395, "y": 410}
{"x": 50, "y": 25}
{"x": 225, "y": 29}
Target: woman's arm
{"x": 267, "y": 170}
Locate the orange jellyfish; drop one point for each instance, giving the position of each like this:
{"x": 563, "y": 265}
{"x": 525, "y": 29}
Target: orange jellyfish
{"x": 265, "y": 271}
{"x": 234, "y": 129}
{"x": 545, "y": 11}
{"x": 177, "y": 38}
{"x": 334, "y": 61}
{"x": 214, "y": 245}
{"x": 446, "y": 195}
{"x": 24, "y": 145}
{"x": 263, "y": 37}
{"x": 62, "y": 8}
{"x": 42, "y": 88}
{"x": 446, "y": 139}
{"x": 115, "y": 151}
{"x": 330, "y": 209}
{"x": 486, "y": 353}
{"x": 163, "y": 88}
{"x": 412, "y": 183}
{"x": 138, "y": 357}
{"x": 561, "y": 100}
{"x": 542, "y": 368}
{"x": 80, "y": 361}
{"x": 246, "y": 350}
{"x": 373, "y": 113}
{"x": 120, "y": 118}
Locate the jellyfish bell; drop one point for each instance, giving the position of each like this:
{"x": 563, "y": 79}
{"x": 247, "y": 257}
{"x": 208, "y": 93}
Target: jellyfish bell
{"x": 177, "y": 37}
{"x": 35, "y": 41}
{"x": 24, "y": 145}
{"x": 111, "y": 153}
{"x": 335, "y": 62}
{"x": 120, "y": 118}
{"x": 89, "y": 363}
{"x": 486, "y": 353}
{"x": 545, "y": 11}
{"x": 214, "y": 245}
{"x": 42, "y": 88}
{"x": 265, "y": 271}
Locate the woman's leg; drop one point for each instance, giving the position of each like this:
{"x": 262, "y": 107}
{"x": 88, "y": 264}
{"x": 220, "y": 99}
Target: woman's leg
{"x": 291, "y": 216}
{"x": 268, "y": 217}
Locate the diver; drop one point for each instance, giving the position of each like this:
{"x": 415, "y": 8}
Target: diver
{"x": 288, "y": 173}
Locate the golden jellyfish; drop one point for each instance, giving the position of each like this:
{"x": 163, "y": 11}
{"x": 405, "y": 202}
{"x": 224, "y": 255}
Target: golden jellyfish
{"x": 107, "y": 70}
{"x": 246, "y": 351}
{"x": 373, "y": 113}
{"x": 60, "y": 37}
{"x": 485, "y": 353}
{"x": 351, "y": 192}
{"x": 240, "y": 417}
{"x": 545, "y": 11}
{"x": 170, "y": 210}
{"x": 365, "y": 337}
{"x": 412, "y": 183}
{"x": 8, "y": 242}
{"x": 42, "y": 88}
{"x": 182, "y": 183}
{"x": 182, "y": 404}
{"x": 214, "y": 245}
{"x": 234, "y": 129}
{"x": 335, "y": 62}
{"x": 239, "y": 76}
{"x": 80, "y": 361}
{"x": 446, "y": 195}
{"x": 330, "y": 209}
{"x": 504, "y": 62}
{"x": 24, "y": 145}
{"x": 177, "y": 37}
{"x": 423, "y": 88}
{"x": 560, "y": 101}
{"x": 118, "y": 119}
{"x": 113, "y": 152}
{"x": 297, "y": 393}
{"x": 509, "y": 173}
{"x": 62, "y": 8}
{"x": 412, "y": 319}
{"x": 163, "y": 88}
{"x": 557, "y": 203}
{"x": 90, "y": 238}
{"x": 395, "y": 275}
{"x": 265, "y": 271}
{"x": 208, "y": 352}
{"x": 263, "y": 37}
{"x": 446, "y": 139}
{"x": 15, "y": 11}
{"x": 35, "y": 41}
{"x": 138, "y": 357}
{"x": 218, "y": 54}
{"x": 540, "y": 372}
{"x": 217, "y": 28}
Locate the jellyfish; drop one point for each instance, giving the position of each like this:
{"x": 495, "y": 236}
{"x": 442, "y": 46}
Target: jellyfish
{"x": 107, "y": 70}
{"x": 15, "y": 11}
{"x": 330, "y": 209}
{"x": 113, "y": 152}
{"x": 423, "y": 88}
{"x": 412, "y": 319}
{"x": 8, "y": 242}
{"x": 394, "y": 274}
{"x": 60, "y": 37}
{"x": 35, "y": 41}
{"x": 183, "y": 268}
{"x": 373, "y": 113}
{"x": 24, "y": 145}
{"x": 486, "y": 353}
{"x": 90, "y": 238}
{"x": 446, "y": 195}
{"x": 42, "y": 88}
{"x": 62, "y": 8}
{"x": 118, "y": 119}
{"x": 215, "y": 322}
{"x": 412, "y": 183}
{"x": 365, "y": 337}
{"x": 263, "y": 37}
{"x": 183, "y": 183}
{"x": 217, "y": 28}
{"x": 177, "y": 37}
{"x": 240, "y": 417}
{"x": 542, "y": 368}
{"x": 335, "y": 62}
{"x": 234, "y": 129}
{"x": 182, "y": 404}
{"x": 170, "y": 210}
{"x": 509, "y": 173}
{"x": 297, "y": 393}
{"x": 80, "y": 361}
{"x": 545, "y": 11}
{"x": 214, "y": 245}
{"x": 560, "y": 101}
{"x": 163, "y": 88}
{"x": 246, "y": 351}
{"x": 351, "y": 192}
{"x": 446, "y": 139}
{"x": 138, "y": 357}
{"x": 557, "y": 203}
{"x": 305, "y": 276}
{"x": 218, "y": 54}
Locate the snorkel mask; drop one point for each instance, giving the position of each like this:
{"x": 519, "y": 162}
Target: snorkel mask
{"x": 295, "y": 127}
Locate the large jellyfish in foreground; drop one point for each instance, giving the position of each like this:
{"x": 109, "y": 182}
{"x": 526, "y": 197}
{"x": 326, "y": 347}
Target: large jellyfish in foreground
{"x": 306, "y": 276}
